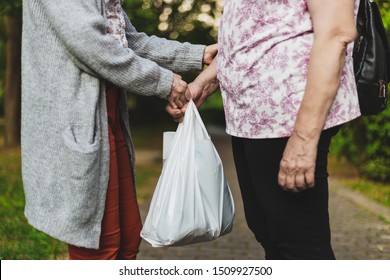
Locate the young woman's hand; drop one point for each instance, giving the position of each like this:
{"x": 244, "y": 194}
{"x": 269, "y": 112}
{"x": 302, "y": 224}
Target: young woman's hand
{"x": 177, "y": 97}
{"x": 209, "y": 54}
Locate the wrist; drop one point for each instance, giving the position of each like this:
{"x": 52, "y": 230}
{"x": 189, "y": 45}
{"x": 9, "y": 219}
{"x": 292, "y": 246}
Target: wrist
{"x": 306, "y": 136}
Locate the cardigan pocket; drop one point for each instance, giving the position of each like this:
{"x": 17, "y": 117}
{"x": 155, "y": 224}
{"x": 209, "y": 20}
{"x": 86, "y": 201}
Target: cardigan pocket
{"x": 81, "y": 157}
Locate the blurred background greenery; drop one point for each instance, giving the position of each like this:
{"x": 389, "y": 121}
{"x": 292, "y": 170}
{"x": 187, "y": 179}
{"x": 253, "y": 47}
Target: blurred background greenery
{"x": 360, "y": 152}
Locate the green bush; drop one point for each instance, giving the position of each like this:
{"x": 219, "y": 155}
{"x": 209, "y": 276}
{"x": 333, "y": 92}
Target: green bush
{"x": 365, "y": 142}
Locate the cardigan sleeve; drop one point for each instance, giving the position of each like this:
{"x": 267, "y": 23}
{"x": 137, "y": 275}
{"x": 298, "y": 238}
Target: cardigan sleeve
{"x": 80, "y": 27}
{"x": 173, "y": 55}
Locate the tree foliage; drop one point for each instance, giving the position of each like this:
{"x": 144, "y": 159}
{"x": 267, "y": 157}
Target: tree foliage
{"x": 11, "y": 7}
{"x": 183, "y": 20}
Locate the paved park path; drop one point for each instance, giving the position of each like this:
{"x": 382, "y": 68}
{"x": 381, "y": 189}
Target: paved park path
{"x": 360, "y": 227}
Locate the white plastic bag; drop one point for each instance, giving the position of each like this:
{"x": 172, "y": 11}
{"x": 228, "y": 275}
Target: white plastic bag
{"x": 192, "y": 202}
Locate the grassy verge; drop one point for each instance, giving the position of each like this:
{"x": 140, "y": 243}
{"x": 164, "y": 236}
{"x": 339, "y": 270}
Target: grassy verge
{"x": 146, "y": 180}
{"x": 376, "y": 191}
{"x": 349, "y": 176}
{"x": 147, "y": 173}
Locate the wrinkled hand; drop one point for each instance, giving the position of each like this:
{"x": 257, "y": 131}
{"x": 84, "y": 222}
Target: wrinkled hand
{"x": 200, "y": 91}
{"x": 176, "y": 114}
{"x": 177, "y": 97}
{"x": 209, "y": 53}
{"x": 297, "y": 166}
{"x": 194, "y": 89}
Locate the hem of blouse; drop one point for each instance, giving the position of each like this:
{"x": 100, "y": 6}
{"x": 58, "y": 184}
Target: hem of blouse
{"x": 284, "y": 135}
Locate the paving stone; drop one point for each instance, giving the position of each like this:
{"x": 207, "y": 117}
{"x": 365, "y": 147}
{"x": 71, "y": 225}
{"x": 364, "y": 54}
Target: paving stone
{"x": 358, "y": 233}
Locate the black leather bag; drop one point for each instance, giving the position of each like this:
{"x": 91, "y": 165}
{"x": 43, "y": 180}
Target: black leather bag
{"x": 371, "y": 58}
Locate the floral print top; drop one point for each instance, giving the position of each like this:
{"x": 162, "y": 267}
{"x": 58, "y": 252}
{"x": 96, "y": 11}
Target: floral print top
{"x": 115, "y": 21}
{"x": 264, "y": 48}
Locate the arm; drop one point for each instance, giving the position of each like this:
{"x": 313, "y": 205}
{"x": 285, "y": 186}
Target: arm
{"x": 173, "y": 55}
{"x": 80, "y": 27}
{"x": 334, "y": 27}
{"x": 205, "y": 84}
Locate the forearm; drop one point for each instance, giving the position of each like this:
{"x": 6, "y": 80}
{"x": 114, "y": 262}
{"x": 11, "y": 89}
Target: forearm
{"x": 173, "y": 55}
{"x": 209, "y": 74}
{"x": 205, "y": 84}
{"x": 333, "y": 31}
{"x": 323, "y": 80}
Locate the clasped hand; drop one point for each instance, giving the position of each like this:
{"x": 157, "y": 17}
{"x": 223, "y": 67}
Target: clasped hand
{"x": 179, "y": 94}
{"x": 203, "y": 86}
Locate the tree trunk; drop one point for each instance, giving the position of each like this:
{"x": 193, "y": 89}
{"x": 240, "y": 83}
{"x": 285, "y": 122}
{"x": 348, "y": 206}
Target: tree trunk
{"x": 12, "y": 89}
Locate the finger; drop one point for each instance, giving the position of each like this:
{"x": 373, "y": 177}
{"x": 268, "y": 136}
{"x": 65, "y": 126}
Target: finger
{"x": 282, "y": 175}
{"x": 309, "y": 179}
{"x": 184, "y": 109}
{"x": 178, "y": 84}
{"x": 172, "y": 100}
{"x": 178, "y": 102}
{"x": 178, "y": 120}
{"x": 183, "y": 99}
{"x": 172, "y": 103}
{"x": 173, "y": 112}
{"x": 300, "y": 182}
{"x": 281, "y": 179}
{"x": 290, "y": 182}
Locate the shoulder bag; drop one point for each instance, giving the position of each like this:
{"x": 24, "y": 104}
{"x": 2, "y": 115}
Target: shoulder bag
{"x": 371, "y": 59}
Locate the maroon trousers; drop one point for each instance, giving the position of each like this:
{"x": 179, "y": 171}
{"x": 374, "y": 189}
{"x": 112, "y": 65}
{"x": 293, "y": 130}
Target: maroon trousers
{"x": 121, "y": 224}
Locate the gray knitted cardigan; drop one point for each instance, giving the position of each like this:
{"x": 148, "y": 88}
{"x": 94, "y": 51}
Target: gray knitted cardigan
{"x": 66, "y": 57}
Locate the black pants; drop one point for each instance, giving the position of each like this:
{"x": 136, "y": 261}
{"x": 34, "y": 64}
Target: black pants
{"x": 288, "y": 225}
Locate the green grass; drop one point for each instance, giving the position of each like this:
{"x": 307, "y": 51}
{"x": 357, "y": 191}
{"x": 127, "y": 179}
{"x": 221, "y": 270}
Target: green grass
{"x": 18, "y": 240}
{"x": 376, "y": 191}
{"x": 147, "y": 173}
{"x": 342, "y": 170}
{"x": 146, "y": 180}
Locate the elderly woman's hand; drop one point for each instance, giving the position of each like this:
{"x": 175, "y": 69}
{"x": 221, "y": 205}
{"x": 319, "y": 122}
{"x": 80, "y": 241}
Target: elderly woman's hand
{"x": 201, "y": 90}
{"x": 297, "y": 167}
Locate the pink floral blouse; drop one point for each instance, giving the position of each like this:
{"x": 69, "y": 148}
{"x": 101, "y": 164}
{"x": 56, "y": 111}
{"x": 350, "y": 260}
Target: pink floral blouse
{"x": 115, "y": 21}
{"x": 264, "y": 49}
